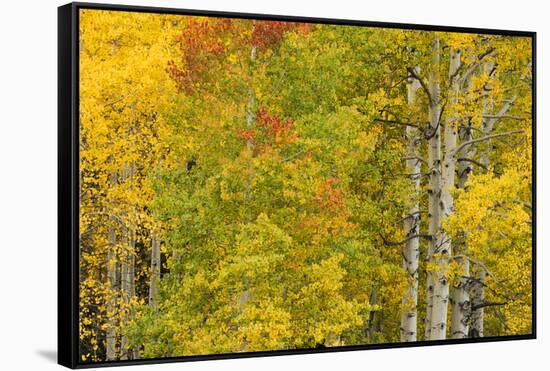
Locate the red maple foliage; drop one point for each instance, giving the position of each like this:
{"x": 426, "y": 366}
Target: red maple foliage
{"x": 203, "y": 41}
{"x": 267, "y": 34}
{"x": 199, "y": 42}
{"x": 273, "y": 124}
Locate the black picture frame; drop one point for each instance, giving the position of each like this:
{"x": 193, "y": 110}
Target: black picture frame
{"x": 68, "y": 177}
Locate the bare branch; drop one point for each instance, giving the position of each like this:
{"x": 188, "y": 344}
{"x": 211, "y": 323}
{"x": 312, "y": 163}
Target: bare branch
{"x": 408, "y": 216}
{"x": 415, "y": 158}
{"x": 476, "y": 64}
{"x": 488, "y": 304}
{"x": 114, "y": 102}
{"x": 462, "y": 159}
{"x": 505, "y": 107}
{"x": 414, "y": 75}
{"x": 484, "y": 139}
{"x": 292, "y": 157}
{"x": 523, "y": 203}
{"x": 479, "y": 264}
{"x": 519, "y": 118}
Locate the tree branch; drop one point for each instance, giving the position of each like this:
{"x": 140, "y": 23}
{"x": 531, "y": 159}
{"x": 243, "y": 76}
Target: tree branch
{"x": 476, "y": 64}
{"x": 408, "y": 216}
{"x": 292, "y": 157}
{"x": 415, "y": 158}
{"x": 488, "y": 304}
{"x": 414, "y": 75}
{"x": 523, "y": 203}
{"x": 505, "y": 107}
{"x": 462, "y": 159}
{"x": 510, "y": 117}
{"x": 485, "y": 138}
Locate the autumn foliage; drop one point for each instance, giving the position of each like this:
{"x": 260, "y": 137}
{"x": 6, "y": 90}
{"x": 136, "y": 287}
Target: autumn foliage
{"x": 254, "y": 185}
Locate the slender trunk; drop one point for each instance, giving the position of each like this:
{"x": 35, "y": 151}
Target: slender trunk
{"x": 443, "y": 250}
{"x": 372, "y": 325}
{"x": 250, "y": 124}
{"x": 155, "y": 268}
{"x": 112, "y": 265}
{"x": 460, "y": 300}
{"x": 465, "y": 168}
{"x": 449, "y": 161}
{"x": 411, "y": 250}
{"x": 246, "y": 295}
{"x": 434, "y": 162}
{"x": 111, "y": 333}
{"x": 478, "y": 298}
{"x": 125, "y": 293}
{"x": 127, "y": 272}
{"x": 487, "y": 123}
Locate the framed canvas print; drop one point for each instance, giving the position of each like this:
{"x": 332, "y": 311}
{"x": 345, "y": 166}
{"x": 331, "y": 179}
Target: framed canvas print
{"x": 237, "y": 185}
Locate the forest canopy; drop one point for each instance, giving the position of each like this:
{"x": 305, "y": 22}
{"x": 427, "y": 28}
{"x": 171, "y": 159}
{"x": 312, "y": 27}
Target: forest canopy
{"x": 252, "y": 185}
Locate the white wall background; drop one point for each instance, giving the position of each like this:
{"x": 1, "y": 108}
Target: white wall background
{"x": 28, "y": 165}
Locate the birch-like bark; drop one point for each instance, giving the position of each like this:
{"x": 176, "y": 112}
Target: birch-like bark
{"x": 411, "y": 250}
{"x": 459, "y": 299}
{"x": 443, "y": 251}
{"x": 434, "y": 162}
{"x": 133, "y": 353}
{"x": 112, "y": 265}
{"x": 125, "y": 294}
{"x": 111, "y": 333}
{"x": 127, "y": 272}
{"x": 460, "y": 320}
{"x": 486, "y": 126}
{"x": 478, "y": 298}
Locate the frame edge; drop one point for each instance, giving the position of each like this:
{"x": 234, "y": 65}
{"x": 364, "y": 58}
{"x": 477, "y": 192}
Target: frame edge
{"x": 67, "y": 286}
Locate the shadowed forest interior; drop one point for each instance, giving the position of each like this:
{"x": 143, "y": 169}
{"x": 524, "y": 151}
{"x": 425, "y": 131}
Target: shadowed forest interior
{"x": 250, "y": 185}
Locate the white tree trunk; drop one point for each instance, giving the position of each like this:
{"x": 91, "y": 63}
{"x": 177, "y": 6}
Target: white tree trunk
{"x": 434, "y": 162}
{"x": 442, "y": 250}
{"x": 478, "y": 298}
{"x": 411, "y": 250}
{"x": 125, "y": 294}
{"x": 487, "y": 124}
{"x": 127, "y": 271}
{"x": 111, "y": 333}
{"x": 112, "y": 267}
{"x": 460, "y": 301}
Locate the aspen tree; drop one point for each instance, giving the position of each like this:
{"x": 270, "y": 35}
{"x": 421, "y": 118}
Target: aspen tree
{"x": 411, "y": 224}
{"x": 434, "y": 191}
{"x": 441, "y": 289}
